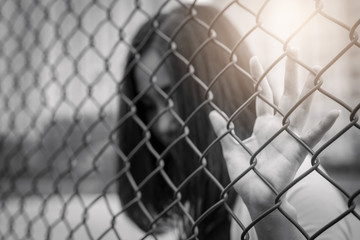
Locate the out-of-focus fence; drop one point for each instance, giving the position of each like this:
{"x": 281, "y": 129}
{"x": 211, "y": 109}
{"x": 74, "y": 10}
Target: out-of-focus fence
{"x": 61, "y": 67}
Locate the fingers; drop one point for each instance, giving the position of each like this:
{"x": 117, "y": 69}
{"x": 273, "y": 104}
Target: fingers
{"x": 256, "y": 70}
{"x": 301, "y": 114}
{"x": 219, "y": 125}
{"x": 314, "y": 135}
{"x": 291, "y": 82}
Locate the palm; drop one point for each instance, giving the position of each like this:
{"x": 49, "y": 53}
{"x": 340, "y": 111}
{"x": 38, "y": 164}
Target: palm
{"x": 280, "y": 159}
{"x": 277, "y": 162}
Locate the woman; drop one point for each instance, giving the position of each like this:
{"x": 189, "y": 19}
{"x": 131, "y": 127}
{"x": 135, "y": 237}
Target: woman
{"x": 177, "y": 73}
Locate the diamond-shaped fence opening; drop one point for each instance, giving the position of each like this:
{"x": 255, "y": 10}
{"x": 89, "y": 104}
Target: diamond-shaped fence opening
{"x": 105, "y": 129}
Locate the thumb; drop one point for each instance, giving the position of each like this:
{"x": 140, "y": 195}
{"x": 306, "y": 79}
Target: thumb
{"x": 219, "y": 125}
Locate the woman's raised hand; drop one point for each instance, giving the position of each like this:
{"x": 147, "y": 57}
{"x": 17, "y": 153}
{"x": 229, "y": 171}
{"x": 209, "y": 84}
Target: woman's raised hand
{"x": 279, "y": 161}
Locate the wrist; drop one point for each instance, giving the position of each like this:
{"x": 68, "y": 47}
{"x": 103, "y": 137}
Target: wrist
{"x": 276, "y": 224}
{"x": 256, "y": 208}
{"x": 261, "y": 198}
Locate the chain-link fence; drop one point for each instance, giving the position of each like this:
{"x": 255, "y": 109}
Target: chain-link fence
{"x": 105, "y": 102}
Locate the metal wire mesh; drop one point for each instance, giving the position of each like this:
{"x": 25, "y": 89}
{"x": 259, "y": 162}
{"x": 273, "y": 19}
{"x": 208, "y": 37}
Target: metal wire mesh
{"x": 64, "y": 69}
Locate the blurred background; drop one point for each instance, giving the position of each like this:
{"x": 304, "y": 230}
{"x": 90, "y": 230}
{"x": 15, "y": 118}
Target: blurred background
{"x": 60, "y": 63}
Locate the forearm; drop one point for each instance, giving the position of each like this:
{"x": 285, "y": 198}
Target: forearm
{"x": 275, "y": 225}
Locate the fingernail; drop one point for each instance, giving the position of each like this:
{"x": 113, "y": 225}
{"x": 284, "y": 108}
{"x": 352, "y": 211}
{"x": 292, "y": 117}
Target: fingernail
{"x": 253, "y": 59}
{"x": 338, "y": 111}
{"x": 255, "y": 67}
{"x": 293, "y": 51}
{"x": 212, "y": 114}
{"x": 335, "y": 112}
{"x": 316, "y": 68}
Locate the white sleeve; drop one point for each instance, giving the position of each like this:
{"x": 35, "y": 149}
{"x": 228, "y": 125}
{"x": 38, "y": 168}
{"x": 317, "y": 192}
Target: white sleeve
{"x": 317, "y": 203}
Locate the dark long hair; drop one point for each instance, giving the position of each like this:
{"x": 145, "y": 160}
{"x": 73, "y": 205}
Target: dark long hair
{"x": 144, "y": 187}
